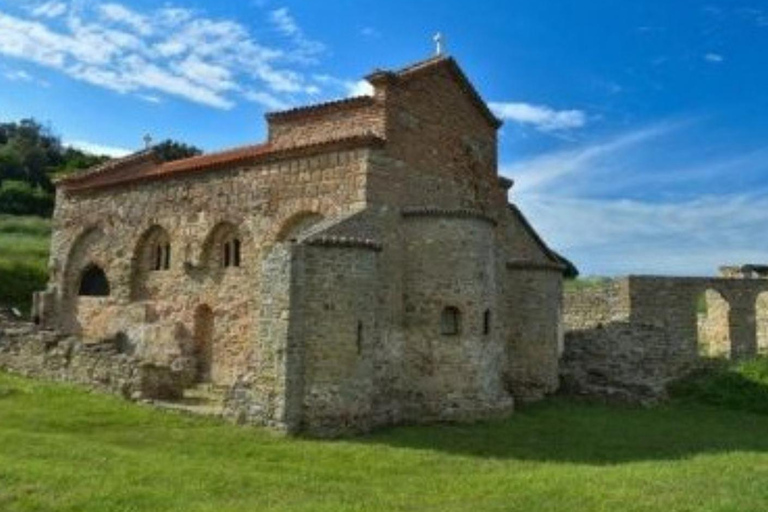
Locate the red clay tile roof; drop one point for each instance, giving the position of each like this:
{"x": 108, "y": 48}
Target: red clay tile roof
{"x": 150, "y": 169}
{"x": 321, "y": 108}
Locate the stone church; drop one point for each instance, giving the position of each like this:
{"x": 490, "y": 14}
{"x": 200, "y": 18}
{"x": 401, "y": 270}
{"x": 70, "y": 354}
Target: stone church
{"x": 362, "y": 267}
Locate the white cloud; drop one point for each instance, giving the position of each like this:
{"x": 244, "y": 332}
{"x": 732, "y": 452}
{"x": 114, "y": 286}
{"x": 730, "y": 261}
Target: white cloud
{"x": 359, "y": 88}
{"x": 18, "y": 76}
{"x": 98, "y": 149}
{"x": 166, "y": 50}
{"x": 541, "y": 117}
{"x": 284, "y": 22}
{"x": 122, "y": 15}
{"x": 50, "y": 10}
{"x": 714, "y": 57}
{"x": 267, "y": 100}
{"x": 613, "y": 208}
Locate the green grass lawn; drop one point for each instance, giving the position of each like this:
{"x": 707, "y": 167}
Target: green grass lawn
{"x": 24, "y": 246}
{"x": 64, "y": 449}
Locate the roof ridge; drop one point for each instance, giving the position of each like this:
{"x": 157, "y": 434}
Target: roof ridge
{"x": 110, "y": 165}
{"x": 304, "y": 109}
{"x": 230, "y": 157}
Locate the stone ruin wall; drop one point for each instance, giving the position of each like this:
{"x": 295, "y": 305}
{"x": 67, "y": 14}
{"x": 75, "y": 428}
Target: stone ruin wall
{"x": 628, "y": 338}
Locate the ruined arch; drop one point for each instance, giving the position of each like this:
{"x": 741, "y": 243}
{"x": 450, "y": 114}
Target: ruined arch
{"x": 153, "y": 253}
{"x": 713, "y": 327}
{"x": 296, "y": 226}
{"x": 85, "y": 250}
{"x": 761, "y": 322}
{"x": 223, "y": 247}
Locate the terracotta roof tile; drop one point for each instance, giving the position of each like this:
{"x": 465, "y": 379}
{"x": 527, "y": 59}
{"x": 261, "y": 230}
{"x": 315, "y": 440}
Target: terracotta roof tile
{"x": 224, "y": 159}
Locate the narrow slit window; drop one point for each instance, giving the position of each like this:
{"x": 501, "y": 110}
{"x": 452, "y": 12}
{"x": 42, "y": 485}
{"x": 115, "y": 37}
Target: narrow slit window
{"x": 227, "y": 255}
{"x": 167, "y": 259}
{"x": 236, "y": 247}
{"x": 158, "y": 257}
{"x": 487, "y": 322}
{"x": 359, "y": 338}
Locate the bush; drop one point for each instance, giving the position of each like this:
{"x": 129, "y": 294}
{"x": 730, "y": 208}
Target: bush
{"x": 21, "y": 198}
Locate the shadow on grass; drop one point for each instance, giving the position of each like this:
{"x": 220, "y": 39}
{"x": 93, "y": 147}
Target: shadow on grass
{"x": 560, "y": 430}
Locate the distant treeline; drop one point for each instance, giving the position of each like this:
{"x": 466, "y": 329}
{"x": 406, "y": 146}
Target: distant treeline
{"x": 32, "y": 157}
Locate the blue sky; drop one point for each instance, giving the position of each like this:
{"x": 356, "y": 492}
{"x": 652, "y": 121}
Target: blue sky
{"x": 636, "y": 132}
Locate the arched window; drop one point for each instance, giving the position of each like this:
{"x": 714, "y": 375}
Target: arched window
{"x": 223, "y": 248}
{"x": 450, "y": 321}
{"x": 487, "y": 322}
{"x": 93, "y": 282}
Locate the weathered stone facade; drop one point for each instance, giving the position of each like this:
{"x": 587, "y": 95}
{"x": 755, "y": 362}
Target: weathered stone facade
{"x": 362, "y": 267}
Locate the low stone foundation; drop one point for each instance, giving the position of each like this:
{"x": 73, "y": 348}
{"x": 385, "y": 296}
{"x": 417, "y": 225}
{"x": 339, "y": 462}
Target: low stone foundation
{"x": 44, "y": 354}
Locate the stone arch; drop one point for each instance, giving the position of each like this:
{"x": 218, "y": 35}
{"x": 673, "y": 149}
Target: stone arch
{"x": 83, "y": 251}
{"x": 153, "y": 253}
{"x": 203, "y": 336}
{"x": 761, "y": 322}
{"x": 296, "y": 226}
{"x": 713, "y": 326}
{"x": 223, "y": 247}
{"x": 93, "y": 282}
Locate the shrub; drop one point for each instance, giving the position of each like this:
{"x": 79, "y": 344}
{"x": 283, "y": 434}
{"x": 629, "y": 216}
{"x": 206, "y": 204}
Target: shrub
{"x": 21, "y": 198}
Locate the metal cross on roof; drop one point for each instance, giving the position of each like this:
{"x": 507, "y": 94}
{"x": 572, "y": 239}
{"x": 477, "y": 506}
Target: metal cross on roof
{"x": 439, "y": 42}
{"x": 147, "y": 141}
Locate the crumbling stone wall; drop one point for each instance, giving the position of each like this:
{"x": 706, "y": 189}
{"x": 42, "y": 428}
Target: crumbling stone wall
{"x": 630, "y": 337}
{"x": 106, "y": 366}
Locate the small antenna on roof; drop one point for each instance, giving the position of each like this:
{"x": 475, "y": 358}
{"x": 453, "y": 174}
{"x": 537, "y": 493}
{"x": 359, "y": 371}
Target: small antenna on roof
{"x": 439, "y": 43}
{"x": 147, "y": 141}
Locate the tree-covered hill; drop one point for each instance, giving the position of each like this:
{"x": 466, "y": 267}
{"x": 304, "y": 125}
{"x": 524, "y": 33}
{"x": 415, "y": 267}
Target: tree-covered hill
{"x": 32, "y": 156}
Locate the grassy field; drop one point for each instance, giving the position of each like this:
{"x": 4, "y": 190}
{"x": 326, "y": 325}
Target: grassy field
{"x": 64, "y": 449}
{"x": 24, "y": 245}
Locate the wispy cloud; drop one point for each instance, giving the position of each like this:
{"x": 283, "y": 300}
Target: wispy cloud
{"x": 541, "y": 117}
{"x": 166, "y": 50}
{"x": 95, "y": 148}
{"x": 714, "y": 57}
{"x": 582, "y": 201}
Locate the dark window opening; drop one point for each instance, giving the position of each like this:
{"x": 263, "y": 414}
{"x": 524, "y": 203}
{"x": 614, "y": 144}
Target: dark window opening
{"x": 93, "y": 282}
{"x": 450, "y": 321}
{"x": 226, "y": 254}
{"x": 167, "y": 262}
{"x": 236, "y": 251}
{"x": 359, "y": 338}
{"x": 158, "y": 258}
{"x": 487, "y": 322}
{"x": 231, "y": 256}
{"x": 162, "y": 260}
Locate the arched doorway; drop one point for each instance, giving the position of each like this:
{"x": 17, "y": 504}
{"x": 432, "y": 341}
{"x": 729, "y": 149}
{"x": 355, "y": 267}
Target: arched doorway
{"x": 714, "y": 335}
{"x": 761, "y": 323}
{"x": 203, "y": 338}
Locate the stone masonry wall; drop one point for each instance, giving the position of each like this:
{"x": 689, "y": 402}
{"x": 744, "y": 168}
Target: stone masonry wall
{"x": 338, "y": 305}
{"x": 106, "y": 366}
{"x": 450, "y": 263}
{"x": 360, "y": 116}
{"x": 107, "y": 228}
